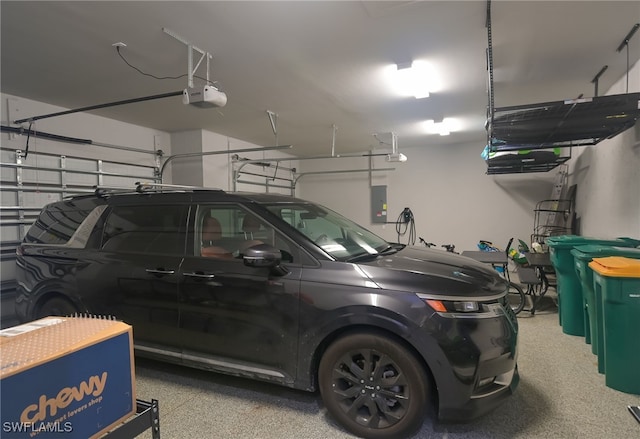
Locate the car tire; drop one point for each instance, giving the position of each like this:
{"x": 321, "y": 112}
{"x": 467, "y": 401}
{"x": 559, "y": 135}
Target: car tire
{"x": 373, "y": 386}
{"x": 56, "y": 306}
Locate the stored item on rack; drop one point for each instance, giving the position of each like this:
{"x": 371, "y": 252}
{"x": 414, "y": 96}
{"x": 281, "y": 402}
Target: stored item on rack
{"x": 71, "y": 376}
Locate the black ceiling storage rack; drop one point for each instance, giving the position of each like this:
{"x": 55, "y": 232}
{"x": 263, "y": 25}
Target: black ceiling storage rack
{"x": 575, "y": 122}
{"x": 539, "y": 137}
{"x": 534, "y": 161}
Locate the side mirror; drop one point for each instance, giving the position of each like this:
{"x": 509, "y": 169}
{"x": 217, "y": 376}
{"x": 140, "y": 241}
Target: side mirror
{"x": 262, "y": 255}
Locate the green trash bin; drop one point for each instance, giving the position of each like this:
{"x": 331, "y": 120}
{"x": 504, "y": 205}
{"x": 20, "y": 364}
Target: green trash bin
{"x": 582, "y": 255}
{"x": 570, "y": 311}
{"x": 618, "y": 278}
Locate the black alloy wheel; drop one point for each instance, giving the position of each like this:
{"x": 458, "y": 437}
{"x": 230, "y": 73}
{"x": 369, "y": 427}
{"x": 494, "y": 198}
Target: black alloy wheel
{"x": 373, "y": 386}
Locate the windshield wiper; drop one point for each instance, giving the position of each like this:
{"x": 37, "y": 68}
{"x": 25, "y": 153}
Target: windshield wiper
{"x": 388, "y": 251}
{"x": 365, "y": 256}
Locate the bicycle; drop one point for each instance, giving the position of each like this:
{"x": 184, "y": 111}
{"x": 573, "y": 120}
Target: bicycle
{"x": 448, "y": 247}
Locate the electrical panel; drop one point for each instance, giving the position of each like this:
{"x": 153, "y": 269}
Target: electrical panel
{"x": 379, "y": 204}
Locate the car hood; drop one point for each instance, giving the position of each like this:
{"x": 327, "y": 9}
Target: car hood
{"x": 434, "y": 272}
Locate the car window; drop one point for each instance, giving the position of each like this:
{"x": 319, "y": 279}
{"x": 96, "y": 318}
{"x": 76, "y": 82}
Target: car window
{"x": 225, "y": 231}
{"x": 146, "y": 229}
{"x": 55, "y": 225}
{"x": 335, "y": 234}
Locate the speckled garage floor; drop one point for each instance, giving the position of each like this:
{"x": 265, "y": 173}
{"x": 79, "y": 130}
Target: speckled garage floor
{"x": 561, "y": 395}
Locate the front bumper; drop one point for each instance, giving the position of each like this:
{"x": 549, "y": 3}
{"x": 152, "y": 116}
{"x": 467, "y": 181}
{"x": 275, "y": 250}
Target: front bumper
{"x": 475, "y": 368}
{"x": 478, "y": 406}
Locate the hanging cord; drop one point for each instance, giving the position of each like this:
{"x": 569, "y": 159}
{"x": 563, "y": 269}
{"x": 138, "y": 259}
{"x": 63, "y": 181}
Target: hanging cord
{"x": 154, "y": 76}
{"x": 406, "y": 223}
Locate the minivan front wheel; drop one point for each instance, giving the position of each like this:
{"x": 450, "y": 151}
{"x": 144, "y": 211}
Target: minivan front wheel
{"x": 373, "y": 386}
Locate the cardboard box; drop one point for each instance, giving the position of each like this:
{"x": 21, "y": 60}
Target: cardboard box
{"x": 70, "y": 377}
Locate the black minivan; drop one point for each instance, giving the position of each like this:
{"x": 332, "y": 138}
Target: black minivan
{"x": 275, "y": 288}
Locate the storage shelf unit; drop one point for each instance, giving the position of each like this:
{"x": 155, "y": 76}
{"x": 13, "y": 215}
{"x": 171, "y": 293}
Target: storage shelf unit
{"x": 552, "y": 218}
{"x": 147, "y": 417}
{"x": 513, "y": 162}
{"x": 559, "y": 124}
{"x": 575, "y": 122}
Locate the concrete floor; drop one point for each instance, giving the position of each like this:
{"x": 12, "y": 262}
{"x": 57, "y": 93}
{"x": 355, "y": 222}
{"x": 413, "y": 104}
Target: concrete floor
{"x": 561, "y": 395}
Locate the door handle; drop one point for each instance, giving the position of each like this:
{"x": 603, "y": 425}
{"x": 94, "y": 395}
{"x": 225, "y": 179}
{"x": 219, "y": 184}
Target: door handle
{"x": 200, "y": 275}
{"x": 159, "y": 271}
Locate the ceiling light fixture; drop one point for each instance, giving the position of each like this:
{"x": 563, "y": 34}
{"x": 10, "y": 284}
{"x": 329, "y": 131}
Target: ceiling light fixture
{"x": 414, "y": 79}
{"x": 444, "y": 128}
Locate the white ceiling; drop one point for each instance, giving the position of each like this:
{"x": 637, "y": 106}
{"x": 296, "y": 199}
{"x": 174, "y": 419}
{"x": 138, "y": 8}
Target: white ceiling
{"x": 314, "y": 64}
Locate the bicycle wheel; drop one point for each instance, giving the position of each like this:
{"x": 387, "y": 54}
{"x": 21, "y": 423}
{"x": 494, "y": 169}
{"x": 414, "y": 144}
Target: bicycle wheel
{"x": 515, "y": 297}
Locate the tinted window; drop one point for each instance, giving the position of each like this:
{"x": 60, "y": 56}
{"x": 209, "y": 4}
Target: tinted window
{"x": 335, "y": 234}
{"x": 146, "y": 229}
{"x": 225, "y": 231}
{"x": 55, "y": 226}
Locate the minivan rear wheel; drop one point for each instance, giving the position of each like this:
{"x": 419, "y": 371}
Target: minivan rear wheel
{"x": 373, "y": 386}
{"x": 56, "y": 306}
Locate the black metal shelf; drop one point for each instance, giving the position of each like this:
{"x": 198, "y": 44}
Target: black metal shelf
{"x": 567, "y": 123}
{"x": 147, "y": 417}
{"x": 534, "y": 161}
{"x": 552, "y": 218}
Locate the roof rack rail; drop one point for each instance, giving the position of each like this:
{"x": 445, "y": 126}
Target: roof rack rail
{"x": 151, "y": 186}
{"x": 140, "y": 187}
{"x": 103, "y": 191}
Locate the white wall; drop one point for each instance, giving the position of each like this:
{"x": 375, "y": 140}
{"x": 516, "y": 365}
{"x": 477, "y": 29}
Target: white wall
{"x": 185, "y": 170}
{"x": 216, "y": 170}
{"x": 454, "y": 201}
{"x": 608, "y": 178}
{"x": 446, "y": 188}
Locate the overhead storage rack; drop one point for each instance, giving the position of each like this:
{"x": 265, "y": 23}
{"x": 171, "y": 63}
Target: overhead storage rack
{"x": 512, "y": 162}
{"x": 538, "y": 137}
{"x": 574, "y": 122}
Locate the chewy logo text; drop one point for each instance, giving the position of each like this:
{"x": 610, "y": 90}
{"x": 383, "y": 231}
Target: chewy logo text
{"x": 38, "y": 412}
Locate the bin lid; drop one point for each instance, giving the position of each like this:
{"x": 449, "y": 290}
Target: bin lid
{"x": 570, "y": 241}
{"x": 616, "y": 266}
{"x": 590, "y": 251}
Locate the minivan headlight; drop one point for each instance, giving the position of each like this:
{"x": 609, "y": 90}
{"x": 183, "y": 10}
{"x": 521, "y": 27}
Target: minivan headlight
{"x": 466, "y": 306}
{"x": 452, "y": 306}
{"x": 489, "y": 308}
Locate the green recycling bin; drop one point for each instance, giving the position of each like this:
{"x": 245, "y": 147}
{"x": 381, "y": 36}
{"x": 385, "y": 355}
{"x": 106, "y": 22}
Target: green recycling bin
{"x": 618, "y": 279}
{"x": 570, "y": 310}
{"x": 582, "y": 255}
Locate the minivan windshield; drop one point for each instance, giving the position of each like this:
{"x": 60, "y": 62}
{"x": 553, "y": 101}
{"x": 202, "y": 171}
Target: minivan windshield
{"x": 340, "y": 237}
